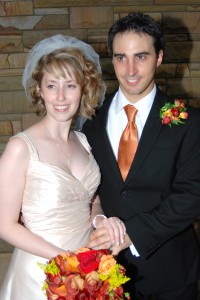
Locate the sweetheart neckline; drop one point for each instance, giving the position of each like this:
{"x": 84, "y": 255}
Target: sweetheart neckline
{"x": 62, "y": 170}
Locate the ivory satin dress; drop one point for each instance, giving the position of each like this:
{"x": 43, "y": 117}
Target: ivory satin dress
{"x": 56, "y": 206}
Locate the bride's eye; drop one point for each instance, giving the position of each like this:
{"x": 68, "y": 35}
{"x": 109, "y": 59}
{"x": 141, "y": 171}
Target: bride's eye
{"x": 71, "y": 86}
{"x": 50, "y": 86}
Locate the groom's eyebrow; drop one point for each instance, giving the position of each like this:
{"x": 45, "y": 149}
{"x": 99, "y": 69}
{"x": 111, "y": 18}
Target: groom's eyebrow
{"x": 115, "y": 54}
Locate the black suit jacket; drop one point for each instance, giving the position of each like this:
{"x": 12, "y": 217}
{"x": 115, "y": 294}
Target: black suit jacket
{"x": 160, "y": 198}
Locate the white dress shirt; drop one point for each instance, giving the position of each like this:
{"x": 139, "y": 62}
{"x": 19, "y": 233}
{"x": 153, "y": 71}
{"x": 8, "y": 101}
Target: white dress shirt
{"x": 117, "y": 121}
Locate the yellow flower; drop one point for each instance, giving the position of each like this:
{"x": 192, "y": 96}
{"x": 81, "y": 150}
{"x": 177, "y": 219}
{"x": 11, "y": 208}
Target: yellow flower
{"x": 183, "y": 115}
{"x": 168, "y": 113}
{"x": 115, "y": 277}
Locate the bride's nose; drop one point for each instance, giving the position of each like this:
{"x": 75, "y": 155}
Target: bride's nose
{"x": 61, "y": 94}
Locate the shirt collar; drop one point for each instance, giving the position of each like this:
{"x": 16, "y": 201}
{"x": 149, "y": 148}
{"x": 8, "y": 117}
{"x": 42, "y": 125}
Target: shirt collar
{"x": 143, "y": 106}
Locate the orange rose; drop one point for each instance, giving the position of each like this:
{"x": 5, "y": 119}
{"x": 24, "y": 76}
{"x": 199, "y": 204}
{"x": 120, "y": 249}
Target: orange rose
{"x": 67, "y": 263}
{"x": 59, "y": 291}
{"x": 107, "y": 263}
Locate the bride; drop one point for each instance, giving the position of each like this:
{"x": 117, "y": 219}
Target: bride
{"x": 48, "y": 176}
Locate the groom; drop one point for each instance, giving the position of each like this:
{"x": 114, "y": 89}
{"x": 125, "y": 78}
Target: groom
{"x": 159, "y": 197}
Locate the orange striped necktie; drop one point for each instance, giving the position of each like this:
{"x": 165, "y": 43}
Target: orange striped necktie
{"x": 128, "y": 142}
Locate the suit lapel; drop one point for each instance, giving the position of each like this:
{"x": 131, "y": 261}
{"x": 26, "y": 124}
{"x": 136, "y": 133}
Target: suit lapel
{"x": 108, "y": 156}
{"x": 149, "y": 136}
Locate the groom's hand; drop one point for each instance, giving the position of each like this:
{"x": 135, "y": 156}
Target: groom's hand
{"x": 117, "y": 248}
{"x": 100, "y": 239}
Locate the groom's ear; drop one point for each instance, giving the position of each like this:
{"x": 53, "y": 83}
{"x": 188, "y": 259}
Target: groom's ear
{"x": 160, "y": 58}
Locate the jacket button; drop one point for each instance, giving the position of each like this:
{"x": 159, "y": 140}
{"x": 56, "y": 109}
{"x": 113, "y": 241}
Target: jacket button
{"x": 123, "y": 194}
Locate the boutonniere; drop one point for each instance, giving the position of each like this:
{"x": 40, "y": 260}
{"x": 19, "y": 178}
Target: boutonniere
{"x": 173, "y": 113}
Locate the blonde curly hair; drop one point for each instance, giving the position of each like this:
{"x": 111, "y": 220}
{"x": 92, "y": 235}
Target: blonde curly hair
{"x": 73, "y": 62}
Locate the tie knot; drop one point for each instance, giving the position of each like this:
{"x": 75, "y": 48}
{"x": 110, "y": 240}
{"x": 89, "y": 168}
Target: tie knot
{"x": 130, "y": 112}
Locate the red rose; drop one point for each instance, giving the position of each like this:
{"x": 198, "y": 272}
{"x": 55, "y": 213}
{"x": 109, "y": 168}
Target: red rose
{"x": 175, "y": 112}
{"x": 88, "y": 261}
{"x": 166, "y": 120}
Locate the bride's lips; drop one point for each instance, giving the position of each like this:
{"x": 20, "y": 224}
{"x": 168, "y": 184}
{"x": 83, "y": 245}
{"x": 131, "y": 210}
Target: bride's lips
{"x": 61, "y": 108}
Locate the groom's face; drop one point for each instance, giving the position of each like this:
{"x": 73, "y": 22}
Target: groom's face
{"x": 135, "y": 62}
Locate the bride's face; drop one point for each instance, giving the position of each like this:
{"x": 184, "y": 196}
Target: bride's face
{"x": 61, "y": 96}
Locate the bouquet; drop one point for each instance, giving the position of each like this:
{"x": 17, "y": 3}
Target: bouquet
{"x": 84, "y": 275}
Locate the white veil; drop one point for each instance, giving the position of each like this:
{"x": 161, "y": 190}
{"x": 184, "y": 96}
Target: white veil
{"x": 48, "y": 45}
